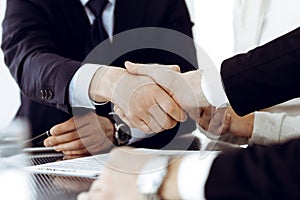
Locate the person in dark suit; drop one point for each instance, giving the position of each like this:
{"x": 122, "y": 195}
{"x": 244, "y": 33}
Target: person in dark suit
{"x": 258, "y": 79}
{"x": 45, "y": 43}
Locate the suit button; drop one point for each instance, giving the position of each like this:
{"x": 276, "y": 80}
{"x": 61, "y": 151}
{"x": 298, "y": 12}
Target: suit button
{"x": 43, "y": 94}
{"x": 49, "y": 94}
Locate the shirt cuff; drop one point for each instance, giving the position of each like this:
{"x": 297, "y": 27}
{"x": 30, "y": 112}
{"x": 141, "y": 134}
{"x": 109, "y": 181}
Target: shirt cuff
{"x": 138, "y": 135}
{"x": 80, "y": 84}
{"x": 212, "y": 88}
{"x": 271, "y": 124}
{"x": 193, "y": 173}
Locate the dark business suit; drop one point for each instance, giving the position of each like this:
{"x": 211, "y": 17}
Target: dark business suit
{"x": 44, "y": 42}
{"x": 266, "y": 76}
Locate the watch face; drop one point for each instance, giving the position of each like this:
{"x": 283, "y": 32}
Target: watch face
{"x": 122, "y": 131}
{"x": 123, "y": 134}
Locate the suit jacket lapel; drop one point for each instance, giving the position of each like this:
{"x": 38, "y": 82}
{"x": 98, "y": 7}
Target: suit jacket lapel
{"x": 129, "y": 14}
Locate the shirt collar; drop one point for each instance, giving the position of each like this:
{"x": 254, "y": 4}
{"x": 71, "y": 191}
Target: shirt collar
{"x": 84, "y": 2}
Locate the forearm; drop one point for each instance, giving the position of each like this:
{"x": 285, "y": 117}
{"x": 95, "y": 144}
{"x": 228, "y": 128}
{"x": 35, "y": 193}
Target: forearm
{"x": 277, "y": 60}
{"x": 34, "y": 55}
{"x": 104, "y": 82}
{"x": 47, "y": 71}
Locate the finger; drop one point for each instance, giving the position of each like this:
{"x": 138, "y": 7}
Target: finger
{"x": 60, "y": 139}
{"x": 122, "y": 116}
{"x": 154, "y": 125}
{"x": 195, "y": 114}
{"x": 133, "y": 120}
{"x": 163, "y": 119}
{"x": 227, "y": 123}
{"x": 70, "y": 157}
{"x": 175, "y": 68}
{"x": 160, "y": 74}
{"x": 63, "y": 128}
{"x": 68, "y": 126}
{"x": 217, "y": 120}
{"x": 77, "y": 153}
{"x": 169, "y": 106}
{"x": 150, "y": 120}
{"x": 141, "y": 125}
{"x": 132, "y": 67}
{"x": 140, "y": 122}
{"x": 70, "y": 146}
{"x": 204, "y": 120}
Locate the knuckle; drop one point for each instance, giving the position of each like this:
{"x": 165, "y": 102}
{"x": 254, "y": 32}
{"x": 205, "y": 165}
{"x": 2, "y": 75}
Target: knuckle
{"x": 78, "y": 144}
{"x": 56, "y": 130}
{"x": 171, "y": 124}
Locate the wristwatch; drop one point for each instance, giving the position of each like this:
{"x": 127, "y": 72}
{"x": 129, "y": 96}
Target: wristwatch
{"x": 152, "y": 176}
{"x": 122, "y": 132}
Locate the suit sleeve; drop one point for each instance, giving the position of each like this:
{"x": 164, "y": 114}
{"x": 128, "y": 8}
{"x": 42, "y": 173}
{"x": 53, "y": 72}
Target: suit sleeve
{"x": 265, "y": 76}
{"x": 32, "y": 55}
{"x": 256, "y": 173}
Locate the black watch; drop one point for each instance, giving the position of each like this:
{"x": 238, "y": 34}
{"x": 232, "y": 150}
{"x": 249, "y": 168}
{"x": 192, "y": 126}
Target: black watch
{"x": 122, "y": 133}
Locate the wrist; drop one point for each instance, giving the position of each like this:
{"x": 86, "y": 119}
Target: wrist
{"x": 103, "y": 83}
{"x": 250, "y": 124}
{"x": 241, "y": 126}
{"x": 194, "y": 80}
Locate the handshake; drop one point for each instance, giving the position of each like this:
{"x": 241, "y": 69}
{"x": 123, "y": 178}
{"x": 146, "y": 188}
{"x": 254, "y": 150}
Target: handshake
{"x": 149, "y": 97}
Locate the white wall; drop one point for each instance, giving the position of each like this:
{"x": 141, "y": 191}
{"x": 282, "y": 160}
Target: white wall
{"x": 214, "y": 28}
{"x": 213, "y": 32}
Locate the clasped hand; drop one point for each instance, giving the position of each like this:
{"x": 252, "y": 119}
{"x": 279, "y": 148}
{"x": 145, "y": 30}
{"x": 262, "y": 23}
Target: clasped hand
{"x": 151, "y": 98}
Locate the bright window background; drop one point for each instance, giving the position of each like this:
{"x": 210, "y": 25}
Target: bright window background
{"x": 9, "y": 93}
{"x": 212, "y": 31}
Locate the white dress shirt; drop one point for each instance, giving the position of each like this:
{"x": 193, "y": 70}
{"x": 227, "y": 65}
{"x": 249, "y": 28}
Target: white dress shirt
{"x": 80, "y": 83}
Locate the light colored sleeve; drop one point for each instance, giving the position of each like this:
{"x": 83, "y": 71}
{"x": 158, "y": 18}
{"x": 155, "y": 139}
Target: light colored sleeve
{"x": 192, "y": 176}
{"x": 274, "y": 128}
{"x": 212, "y": 88}
{"x": 79, "y": 86}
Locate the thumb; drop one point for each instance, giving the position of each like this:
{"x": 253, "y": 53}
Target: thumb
{"x": 162, "y": 75}
{"x": 143, "y": 69}
{"x": 138, "y": 69}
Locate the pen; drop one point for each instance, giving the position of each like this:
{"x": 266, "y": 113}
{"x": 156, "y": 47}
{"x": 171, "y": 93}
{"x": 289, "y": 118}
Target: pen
{"x": 37, "y": 139}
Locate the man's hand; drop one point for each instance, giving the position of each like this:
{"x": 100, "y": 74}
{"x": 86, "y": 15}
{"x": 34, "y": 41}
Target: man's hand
{"x": 184, "y": 88}
{"x": 144, "y": 104}
{"x": 214, "y": 120}
{"x": 224, "y": 120}
{"x": 82, "y": 135}
{"x": 119, "y": 177}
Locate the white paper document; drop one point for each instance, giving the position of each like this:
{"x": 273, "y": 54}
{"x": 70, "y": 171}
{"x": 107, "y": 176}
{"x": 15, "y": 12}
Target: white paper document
{"x": 92, "y": 166}
{"x": 89, "y": 167}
